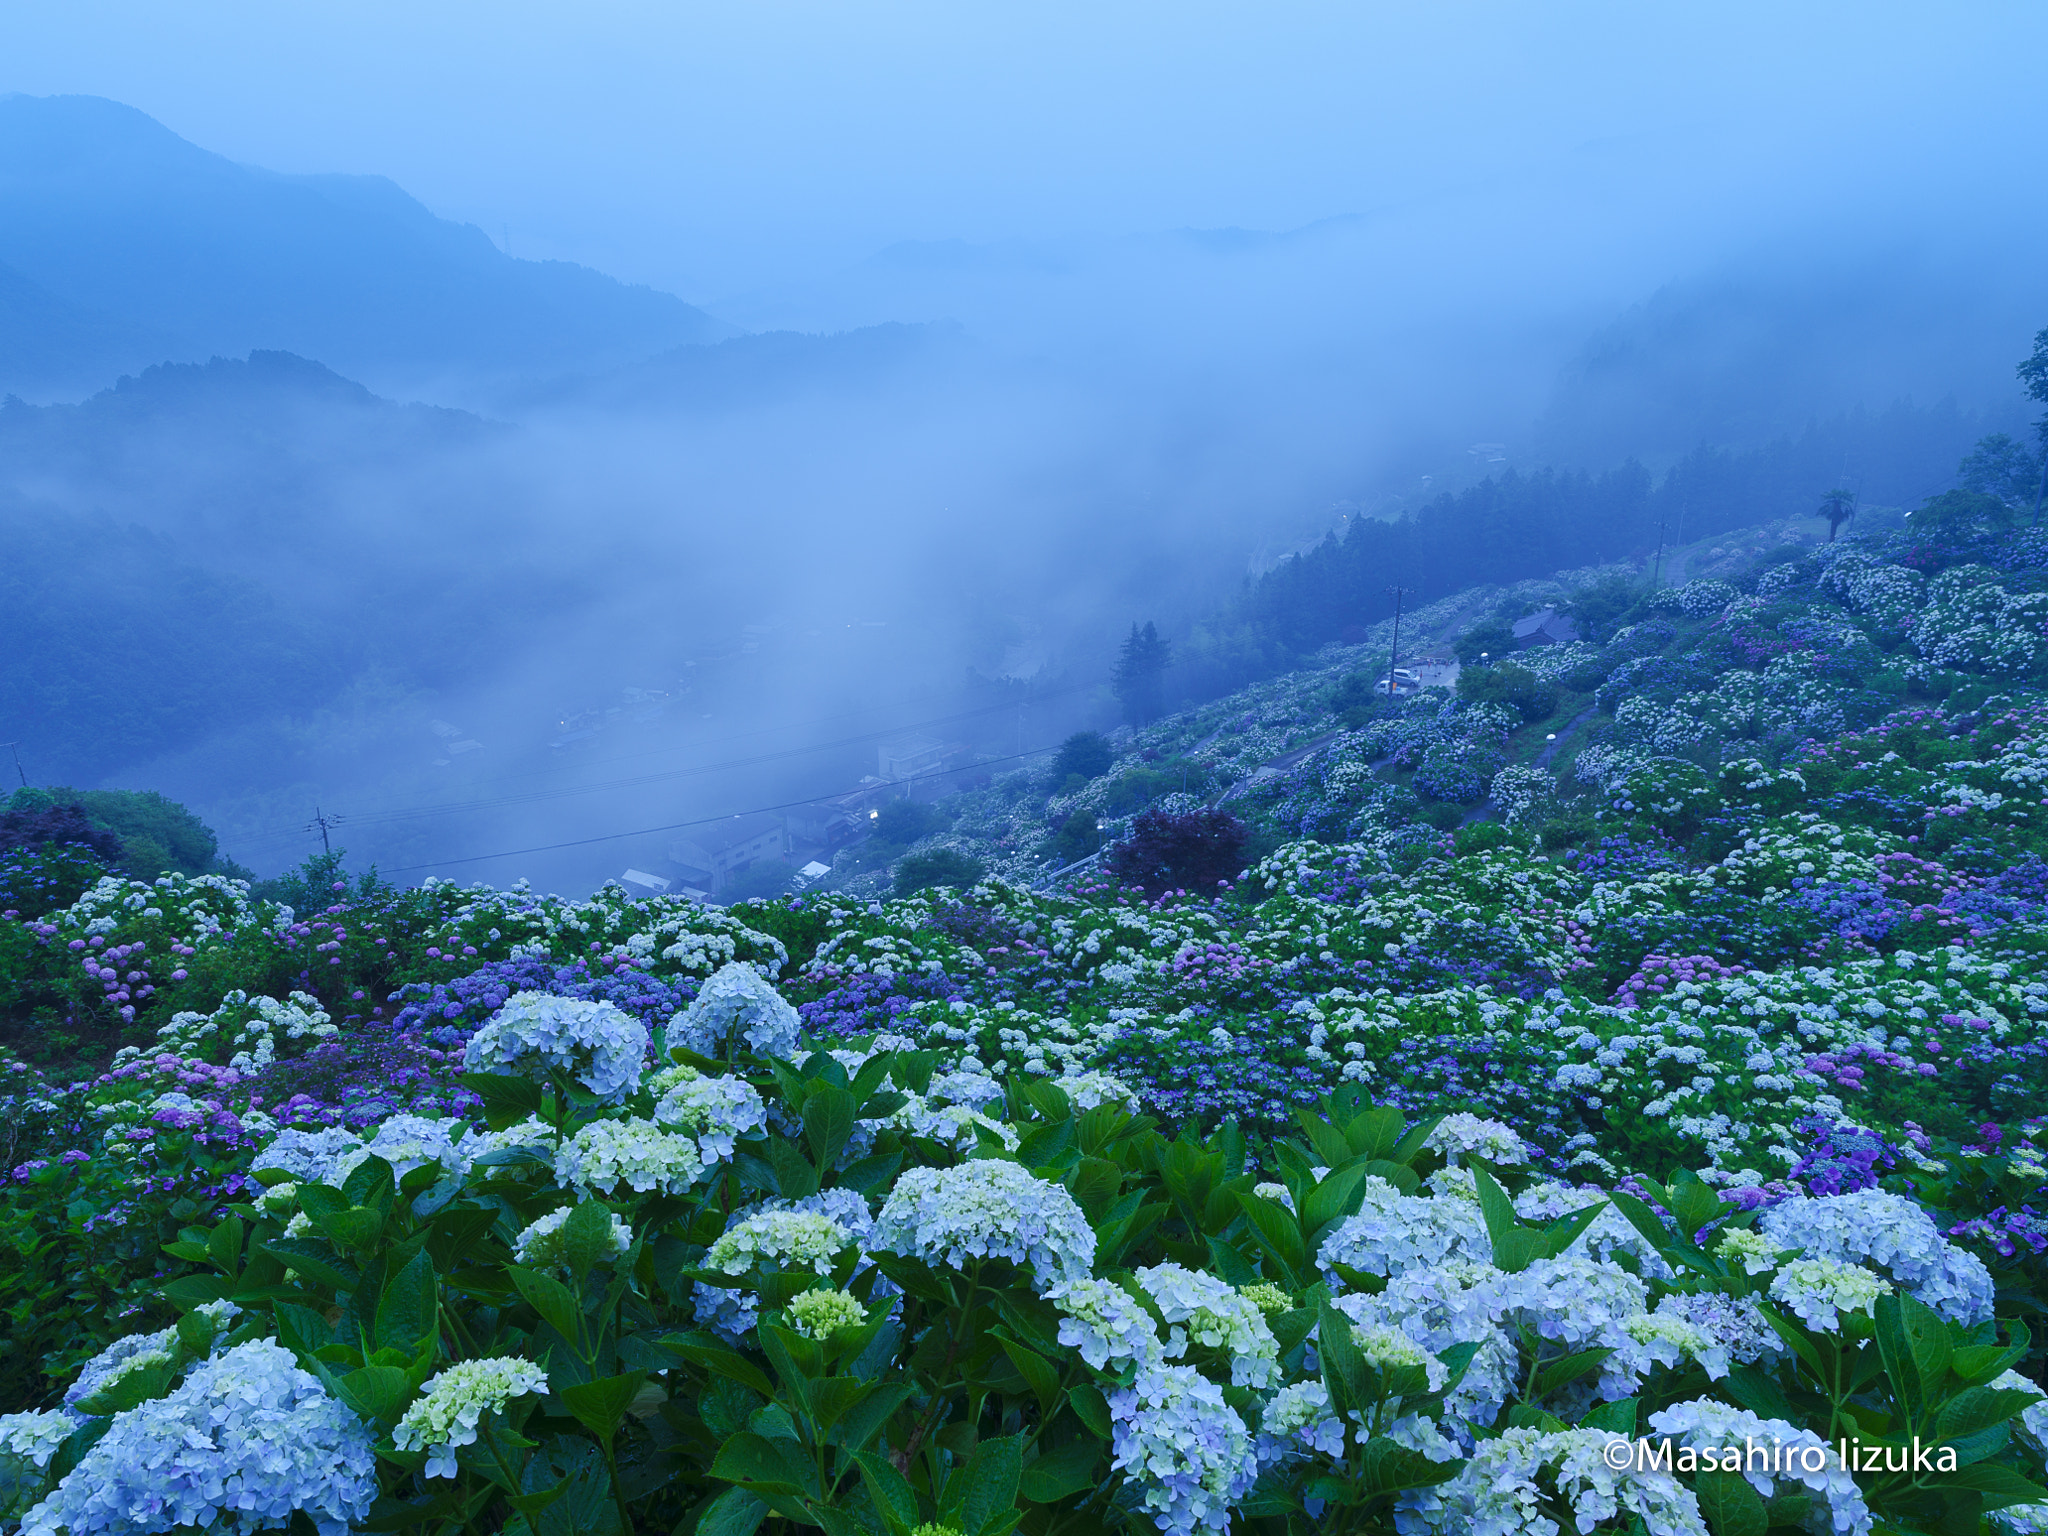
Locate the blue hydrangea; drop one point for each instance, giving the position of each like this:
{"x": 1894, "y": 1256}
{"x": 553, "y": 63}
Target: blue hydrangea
{"x": 248, "y": 1440}
{"x": 600, "y": 1046}
{"x": 987, "y": 1210}
{"x": 1871, "y": 1226}
{"x": 1187, "y": 1454}
{"x": 737, "y": 1004}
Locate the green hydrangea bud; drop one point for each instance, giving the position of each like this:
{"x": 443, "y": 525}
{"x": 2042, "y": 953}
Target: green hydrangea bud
{"x": 820, "y": 1314}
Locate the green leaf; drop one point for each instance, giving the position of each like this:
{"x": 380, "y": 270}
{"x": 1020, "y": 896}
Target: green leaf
{"x": 1730, "y": 1505}
{"x": 833, "y": 1397}
{"x": 358, "y": 1227}
{"x": 1562, "y": 1232}
{"x": 871, "y": 1173}
{"x": 1617, "y": 1418}
{"x": 795, "y": 1177}
{"x": 1998, "y": 1485}
{"x": 1331, "y": 1146}
{"x": 1562, "y": 1373}
{"x": 585, "y": 1237}
{"x": 1091, "y": 1408}
{"x": 371, "y": 1183}
{"x": 828, "y": 1122}
{"x": 864, "y": 1421}
{"x": 1061, "y": 1473}
{"x": 1278, "y": 1234}
{"x": 989, "y": 1489}
{"x": 734, "y": 1512}
{"x": 1385, "y": 1466}
{"x": 378, "y": 1392}
{"x": 1980, "y": 1408}
{"x": 409, "y": 1311}
{"x": 727, "y": 1363}
{"x": 317, "y": 1262}
{"x": 516, "y": 1097}
{"x": 600, "y": 1406}
{"x": 1352, "y": 1384}
{"x": 224, "y": 1247}
{"x": 1375, "y": 1133}
{"x": 754, "y": 1461}
{"x": 1333, "y": 1198}
{"x": 1037, "y": 1372}
{"x": 553, "y": 1300}
{"x": 1497, "y": 1208}
{"x": 890, "y": 1493}
{"x": 195, "y": 1290}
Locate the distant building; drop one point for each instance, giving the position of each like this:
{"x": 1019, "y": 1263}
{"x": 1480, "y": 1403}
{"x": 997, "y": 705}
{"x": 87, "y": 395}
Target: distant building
{"x": 827, "y": 823}
{"x": 912, "y": 757}
{"x": 712, "y": 854}
{"x": 1546, "y": 627}
{"x": 640, "y": 883}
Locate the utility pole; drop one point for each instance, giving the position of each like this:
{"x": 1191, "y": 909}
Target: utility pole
{"x": 1394, "y": 654}
{"x": 15, "y": 746}
{"x": 323, "y": 823}
{"x": 1657, "y": 571}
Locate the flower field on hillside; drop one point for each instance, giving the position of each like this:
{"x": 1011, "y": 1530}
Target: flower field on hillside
{"x": 1678, "y": 1080}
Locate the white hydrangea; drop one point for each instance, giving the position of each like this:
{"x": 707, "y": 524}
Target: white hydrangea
{"x": 1707, "y": 1421}
{"x": 1183, "y": 1449}
{"x": 538, "y": 1243}
{"x": 446, "y": 1414}
{"x": 737, "y": 1004}
{"x": 248, "y": 1441}
{"x": 715, "y": 1110}
{"x": 1463, "y": 1135}
{"x": 638, "y": 1154}
{"x": 754, "y": 1237}
{"x": 532, "y": 1134}
{"x": 1393, "y": 1232}
{"x": 1735, "y": 1329}
{"x": 1087, "y": 1090}
{"x": 1757, "y": 1254}
{"x": 1202, "y": 1310}
{"x": 1106, "y": 1323}
{"x": 1817, "y": 1289}
{"x": 1581, "y": 1304}
{"x": 309, "y": 1157}
{"x": 1505, "y": 1488}
{"x": 1873, "y": 1226}
{"x": 987, "y": 1210}
{"x": 599, "y": 1045}
{"x": 950, "y": 1125}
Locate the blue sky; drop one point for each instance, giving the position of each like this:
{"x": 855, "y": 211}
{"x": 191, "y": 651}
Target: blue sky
{"x": 715, "y": 149}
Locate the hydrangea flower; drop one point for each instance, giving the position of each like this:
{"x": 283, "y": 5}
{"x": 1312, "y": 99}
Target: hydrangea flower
{"x": 715, "y": 1110}
{"x": 35, "y": 1437}
{"x": 737, "y": 1003}
{"x": 1392, "y": 1232}
{"x": 1817, "y": 1289}
{"x": 246, "y": 1442}
{"x": 1106, "y": 1323}
{"x": 532, "y": 1134}
{"x": 1506, "y": 1487}
{"x": 539, "y": 1243}
{"x": 446, "y": 1414}
{"x": 1756, "y": 1253}
{"x": 810, "y": 1232}
{"x": 1706, "y": 1421}
{"x": 1184, "y": 1450}
{"x": 1267, "y": 1297}
{"x": 638, "y": 1154}
{"x": 599, "y": 1045}
{"x": 987, "y": 1210}
{"x": 1735, "y": 1329}
{"x": 1873, "y": 1226}
{"x": 1086, "y": 1090}
{"x": 1461, "y": 1302}
{"x": 408, "y": 1142}
{"x": 1389, "y": 1349}
{"x": 1200, "y": 1309}
{"x": 1582, "y": 1305}
{"x": 820, "y": 1314}
{"x": 1298, "y": 1422}
{"x": 308, "y": 1156}
{"x": 133, "y": 1353}
{"x": 1461, "y": 1135}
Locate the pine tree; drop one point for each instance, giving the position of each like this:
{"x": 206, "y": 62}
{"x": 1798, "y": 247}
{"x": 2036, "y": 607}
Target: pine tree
{"x": 1140, "y": 670}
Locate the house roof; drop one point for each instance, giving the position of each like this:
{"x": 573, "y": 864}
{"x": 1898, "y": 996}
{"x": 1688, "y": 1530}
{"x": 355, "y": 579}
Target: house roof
{"x": 717, "y": 836}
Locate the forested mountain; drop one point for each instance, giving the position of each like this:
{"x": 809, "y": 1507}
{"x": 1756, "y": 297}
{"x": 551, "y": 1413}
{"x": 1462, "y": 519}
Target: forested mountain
{"x": 126, "y": 245}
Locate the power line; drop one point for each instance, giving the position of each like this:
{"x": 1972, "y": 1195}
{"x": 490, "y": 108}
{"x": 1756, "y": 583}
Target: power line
{"x": 701, "y": 821}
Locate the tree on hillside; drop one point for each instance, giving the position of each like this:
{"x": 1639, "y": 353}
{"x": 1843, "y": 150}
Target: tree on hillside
{"x": 1194, "y": 851}
{"x": 1837, "y": 507}
{"x": 1962, "y": 515}
{"x": 2001, "y": 466}
{"x": 1085, "y": 754}
{"x": 1140, "y": 673}
{"x": 2034, "y": 374}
